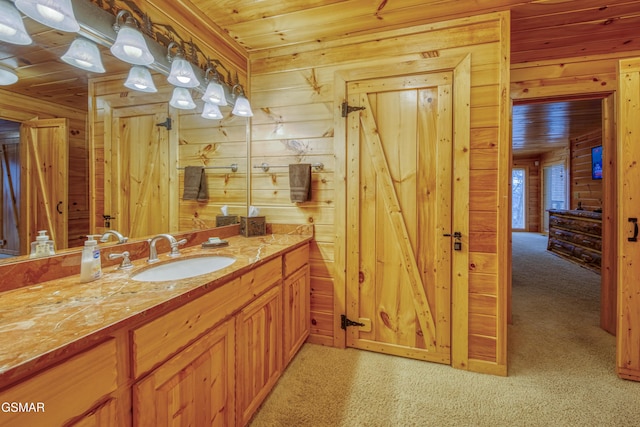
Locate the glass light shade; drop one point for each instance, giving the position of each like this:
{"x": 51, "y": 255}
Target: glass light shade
{"x": 56, "y": 14}
{"x": 140, "y": 79}
{"x": 11, "y": 26}
{"x": 7, "y": 77}
{"x": 84, "y": 54}
{"x": 131, "y": 47}
{"x": 182, "y": 74}
{"x": 215, "y": 94}
{"x": 242, "y": 107}
{"x": 211, "y": 111}
{"x": 181, "y": 99}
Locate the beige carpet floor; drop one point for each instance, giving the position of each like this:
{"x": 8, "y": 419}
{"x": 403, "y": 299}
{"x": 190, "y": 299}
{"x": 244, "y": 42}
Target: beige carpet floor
{"x": 561, "y": 368}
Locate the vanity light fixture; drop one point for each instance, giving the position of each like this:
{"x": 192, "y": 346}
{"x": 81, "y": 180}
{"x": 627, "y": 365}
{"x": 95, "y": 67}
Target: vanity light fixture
{"x": 211, "y": 111}
{"x": 214, "y": 93}
{"x": 181, "y": 73}
{"x": 140, "y": 79}
{"x": 7, "y": 76}
{"x": 181, "y": 99}
{"x": 242, "y": 107}
{"x": 84, "y": 54}
{"x": 56, "y": 14}
{"x": 11, "y": 26}
{"x": 130, "y": 45}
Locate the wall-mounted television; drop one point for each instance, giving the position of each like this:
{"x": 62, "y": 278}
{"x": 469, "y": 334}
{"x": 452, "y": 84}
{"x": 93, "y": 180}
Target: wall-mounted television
{"x": 596, "y": 162}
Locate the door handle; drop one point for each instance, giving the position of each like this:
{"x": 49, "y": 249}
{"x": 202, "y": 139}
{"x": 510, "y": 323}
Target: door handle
{"x": 457, "y": 243}
{"x": 634, "y": 221}
{"x": 58, "y": 207}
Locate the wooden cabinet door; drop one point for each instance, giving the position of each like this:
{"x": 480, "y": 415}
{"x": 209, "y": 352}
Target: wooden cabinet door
{"x": 296, "y": 312}
{"x": 259, "y": 357}
{"x": 193, "y": 388}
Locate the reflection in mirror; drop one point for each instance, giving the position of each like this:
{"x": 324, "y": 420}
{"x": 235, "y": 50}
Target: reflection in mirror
{"x": 124, "y": 158}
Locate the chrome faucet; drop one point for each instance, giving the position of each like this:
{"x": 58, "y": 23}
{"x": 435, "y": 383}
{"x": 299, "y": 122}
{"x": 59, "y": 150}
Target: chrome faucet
{"x": 120, "y": 237}
{"x": 153, "y": 252}
{"x": 126, "y": 261}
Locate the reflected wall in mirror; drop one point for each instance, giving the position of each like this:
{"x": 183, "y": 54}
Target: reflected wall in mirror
{"x": 113, "y": 167}
{"x": 142, "y": 146}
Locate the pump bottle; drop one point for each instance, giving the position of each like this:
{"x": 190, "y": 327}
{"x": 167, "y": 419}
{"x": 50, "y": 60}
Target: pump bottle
{"x": 43, "y": 246}
{"x": 90, "y": 264}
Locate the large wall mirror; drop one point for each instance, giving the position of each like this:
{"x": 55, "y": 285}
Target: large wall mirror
{"x": 81, "y": 153}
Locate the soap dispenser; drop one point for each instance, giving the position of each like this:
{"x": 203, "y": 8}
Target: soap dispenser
{"x": 43, "y": 246}
{"x": 90, "y": 264}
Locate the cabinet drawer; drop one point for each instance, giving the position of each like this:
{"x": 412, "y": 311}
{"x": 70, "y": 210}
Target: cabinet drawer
{"x": 157, "y": 340}
{"x": 65, "y": 391}
{"x": 295, "y": 259}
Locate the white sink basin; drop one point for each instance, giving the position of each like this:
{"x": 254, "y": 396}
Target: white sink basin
{"x": 183, "y": 268}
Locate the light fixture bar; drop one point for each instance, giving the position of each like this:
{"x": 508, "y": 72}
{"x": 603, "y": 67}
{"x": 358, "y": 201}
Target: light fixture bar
{"x": 96, "y": 25}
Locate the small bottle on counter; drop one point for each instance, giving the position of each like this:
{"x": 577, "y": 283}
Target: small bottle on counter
{"x": 90, "y": 264}
{"x": 43, "y": 246}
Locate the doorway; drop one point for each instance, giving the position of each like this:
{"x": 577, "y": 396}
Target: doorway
{"x": 565, "y": 180}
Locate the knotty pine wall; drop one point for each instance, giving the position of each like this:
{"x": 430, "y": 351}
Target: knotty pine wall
{"x": 21, "y": 108}
{"x": 584, "y": 189}
{"x": 533, "y": 191}
{"x": 198, "y": 141}
{"x": 292, "y": 95}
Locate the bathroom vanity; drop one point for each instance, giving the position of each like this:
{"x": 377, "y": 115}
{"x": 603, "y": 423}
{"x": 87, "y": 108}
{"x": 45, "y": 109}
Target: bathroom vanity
{"x": 204, "y": 350}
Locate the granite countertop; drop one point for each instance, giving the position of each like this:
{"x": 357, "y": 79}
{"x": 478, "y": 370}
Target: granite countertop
{"x": 49, "y": 319}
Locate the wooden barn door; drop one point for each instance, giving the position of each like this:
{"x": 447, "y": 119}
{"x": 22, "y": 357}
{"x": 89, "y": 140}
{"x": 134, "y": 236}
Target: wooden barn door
{"x": 10, "y": 216}
{"x": 44, "y": 187}
{"x": 138, "y": 177}
{"x": 402, "y": 147}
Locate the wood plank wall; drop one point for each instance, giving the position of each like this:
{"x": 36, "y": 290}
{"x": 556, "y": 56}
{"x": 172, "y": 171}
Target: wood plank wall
{"x": 22, "y": 108}
{"x": 584, "y": 189}
{"x": 293, "y": 98}
{"x": 198, "y": 142}
{"x": 532, "y": 188}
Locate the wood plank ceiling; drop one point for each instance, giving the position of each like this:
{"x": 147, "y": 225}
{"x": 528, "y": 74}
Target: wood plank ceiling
{"x": 540, "y": 30}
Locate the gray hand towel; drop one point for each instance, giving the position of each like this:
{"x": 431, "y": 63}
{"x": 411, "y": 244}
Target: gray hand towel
{"x": 300, "y": 182}
{"x": 195, "y": 184}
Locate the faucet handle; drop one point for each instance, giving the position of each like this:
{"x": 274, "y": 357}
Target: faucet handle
{"x": 126, "y": 262}
{"x": 174, "y": 247}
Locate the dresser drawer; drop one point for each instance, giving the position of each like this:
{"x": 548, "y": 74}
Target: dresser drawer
{"x": 65, "y": 391}
{"x": 295, "y": 259}
{"x": 159, "y": 339}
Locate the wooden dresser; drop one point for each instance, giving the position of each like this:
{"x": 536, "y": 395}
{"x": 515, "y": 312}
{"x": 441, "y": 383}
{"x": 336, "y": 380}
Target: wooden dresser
{"x": 576, "y": 236}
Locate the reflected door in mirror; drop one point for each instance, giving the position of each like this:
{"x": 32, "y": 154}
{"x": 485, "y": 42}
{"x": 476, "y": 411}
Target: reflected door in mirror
{"x": 137, "y": 183}
{"x": 44, "y": 197}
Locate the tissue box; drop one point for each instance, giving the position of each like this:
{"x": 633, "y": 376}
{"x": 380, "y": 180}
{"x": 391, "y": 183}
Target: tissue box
{"x": 222, "y": 220}
{"x": 253, "y": 226}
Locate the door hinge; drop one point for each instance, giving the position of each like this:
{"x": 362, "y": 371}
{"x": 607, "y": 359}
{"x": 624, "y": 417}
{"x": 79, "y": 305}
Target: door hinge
{"x": 166, "y": 123}
{"x": 346, "y": 109}
{"x": 344, "y": 322}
